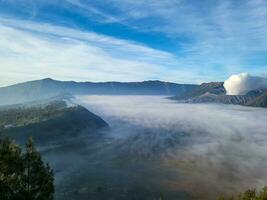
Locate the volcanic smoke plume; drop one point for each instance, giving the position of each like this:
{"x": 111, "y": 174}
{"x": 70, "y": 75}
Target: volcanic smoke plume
{"x": 239, "y": 84}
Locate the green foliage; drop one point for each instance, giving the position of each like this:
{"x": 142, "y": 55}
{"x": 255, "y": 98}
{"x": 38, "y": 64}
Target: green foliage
{"x": 11, "y": 170}
{"x": 24, "y": 115}
{"x": 23, "y": 175}
{"x": 250, "y": 194}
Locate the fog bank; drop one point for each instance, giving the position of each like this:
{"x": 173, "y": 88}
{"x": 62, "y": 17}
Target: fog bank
{"x": 208, "y": 149}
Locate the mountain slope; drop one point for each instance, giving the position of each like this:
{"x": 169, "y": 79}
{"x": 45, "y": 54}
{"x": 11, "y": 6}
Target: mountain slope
{"x": 49, "y": 122}
{"x": 214, "y": 92}
{"x": 260, "y": 101}
{"x": 47, "y": 88}
{"x": 225, "y": 99}
{"x": 212, "y": 88}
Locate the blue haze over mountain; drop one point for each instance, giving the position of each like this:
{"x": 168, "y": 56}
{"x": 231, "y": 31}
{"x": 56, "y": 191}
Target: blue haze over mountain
{"x": 48, "y": 88}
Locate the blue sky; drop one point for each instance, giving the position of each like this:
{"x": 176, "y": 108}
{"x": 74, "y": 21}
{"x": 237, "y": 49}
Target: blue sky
{"x": 185, "y": 41}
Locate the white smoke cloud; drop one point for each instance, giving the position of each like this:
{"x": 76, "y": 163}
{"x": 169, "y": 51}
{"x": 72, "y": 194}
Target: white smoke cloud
{"x": 239, "y": 84}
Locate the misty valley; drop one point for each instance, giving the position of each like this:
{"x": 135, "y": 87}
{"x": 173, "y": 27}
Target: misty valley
{"x": 143, "y": 146}
{"x": 133, "y": 100}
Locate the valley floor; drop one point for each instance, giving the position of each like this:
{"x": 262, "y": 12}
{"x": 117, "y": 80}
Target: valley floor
{"x": 159, "y": 148}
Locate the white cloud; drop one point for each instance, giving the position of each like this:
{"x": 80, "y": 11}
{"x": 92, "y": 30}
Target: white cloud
{"x": 42, "y": 50}
{"x": 213, "y": 39}
{"x": 240, "y": 84}
{"x": 220, "y": 33}
{"x": 89, "y": 10}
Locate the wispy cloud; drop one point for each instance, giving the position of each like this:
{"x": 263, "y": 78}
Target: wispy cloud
{"x": 33, "y": 50}
{"x": 89, "y": 9}
{"x": 208, "y": 40}
{"x": 220, "y": 33}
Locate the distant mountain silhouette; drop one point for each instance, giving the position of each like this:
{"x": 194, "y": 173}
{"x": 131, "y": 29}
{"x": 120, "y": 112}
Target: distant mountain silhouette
{"x": 47, "y": 88}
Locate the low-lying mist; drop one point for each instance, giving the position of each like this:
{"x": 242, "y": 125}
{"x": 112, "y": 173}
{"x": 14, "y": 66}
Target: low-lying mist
{"x": 200, "y": 149}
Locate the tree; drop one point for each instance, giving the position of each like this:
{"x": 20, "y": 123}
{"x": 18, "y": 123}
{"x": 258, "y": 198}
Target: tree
{"x": 263, "y": 193}
{"x": 11, "y": 168}
{"x": 23, "y": 175}
{"x": 250, "y": 194}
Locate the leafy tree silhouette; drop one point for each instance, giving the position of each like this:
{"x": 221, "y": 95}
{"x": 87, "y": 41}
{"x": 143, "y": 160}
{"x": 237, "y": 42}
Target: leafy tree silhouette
{"x": 250, "y": 194}
{"x": 23, "y": 175}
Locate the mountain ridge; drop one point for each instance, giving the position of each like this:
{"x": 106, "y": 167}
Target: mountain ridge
{"x": 214, "y": 92}
{"x": 47, "y": 88}
{"x": 212, "y": 87}
{"x": 48, "y": 122}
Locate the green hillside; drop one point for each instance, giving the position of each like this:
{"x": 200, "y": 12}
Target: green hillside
{"x": 47, "y": 122}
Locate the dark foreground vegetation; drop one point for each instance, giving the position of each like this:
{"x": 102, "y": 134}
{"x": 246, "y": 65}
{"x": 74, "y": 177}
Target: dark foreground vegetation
{"x": 250, "y": 194}
{"x": 23, "y": 174}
